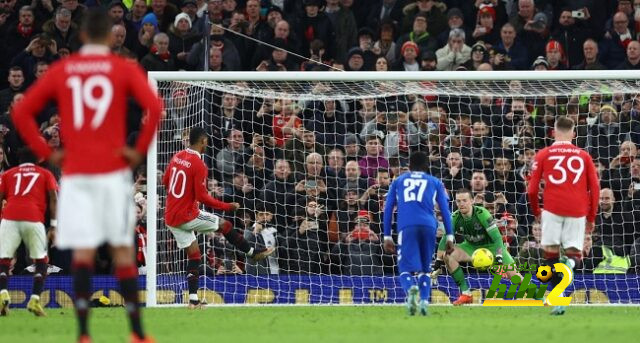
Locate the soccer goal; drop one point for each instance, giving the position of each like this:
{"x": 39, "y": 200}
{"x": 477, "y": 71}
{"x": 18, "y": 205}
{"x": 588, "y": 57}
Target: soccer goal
{"x": 310, "y": 156}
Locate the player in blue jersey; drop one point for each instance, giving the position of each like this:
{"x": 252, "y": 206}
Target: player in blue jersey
{"x": 415, "y": 194}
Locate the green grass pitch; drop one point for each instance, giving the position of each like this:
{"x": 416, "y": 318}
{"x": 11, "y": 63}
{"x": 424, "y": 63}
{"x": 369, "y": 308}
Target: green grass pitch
{"x": 336, "y": 324}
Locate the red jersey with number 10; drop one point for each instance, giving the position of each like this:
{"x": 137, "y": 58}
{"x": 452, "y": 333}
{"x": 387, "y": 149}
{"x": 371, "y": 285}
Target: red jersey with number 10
{"x": 25, "y": 188}
{"x": 91, "y": 89}
{"x": 571, "y": 186}
{"x": 186, "y": 183}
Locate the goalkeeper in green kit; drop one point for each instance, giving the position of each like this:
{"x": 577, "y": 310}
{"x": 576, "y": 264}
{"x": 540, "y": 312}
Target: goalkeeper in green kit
{"x": 480, "y": 231}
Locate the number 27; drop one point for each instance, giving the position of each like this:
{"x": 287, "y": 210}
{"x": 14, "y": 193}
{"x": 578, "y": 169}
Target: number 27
{"x": 409, "y": 190}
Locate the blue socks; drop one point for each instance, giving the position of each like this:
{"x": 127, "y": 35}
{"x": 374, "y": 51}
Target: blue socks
{"x": 406, "y": 281}
{"x": 424, "y": 284}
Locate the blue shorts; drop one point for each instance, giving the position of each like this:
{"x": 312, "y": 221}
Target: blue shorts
{"x": 416, "y": 247}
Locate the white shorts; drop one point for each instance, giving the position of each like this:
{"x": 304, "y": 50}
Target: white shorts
{"x": 184, "y": 234}
{"x": 32, "y": 233}
{"x": 96, "y": 209}
{"x": 565, "y": 231}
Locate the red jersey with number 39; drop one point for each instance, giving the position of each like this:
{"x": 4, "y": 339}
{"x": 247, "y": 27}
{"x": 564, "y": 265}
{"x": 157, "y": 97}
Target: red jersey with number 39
{"x": 571, "y": 186}
{"x": 186, "y": 183}
{"x": 91, "y": 89}
{"x": 25, "y": 188}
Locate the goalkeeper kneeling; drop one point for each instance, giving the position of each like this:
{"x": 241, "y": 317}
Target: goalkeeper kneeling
{"x": 479, "y": 229}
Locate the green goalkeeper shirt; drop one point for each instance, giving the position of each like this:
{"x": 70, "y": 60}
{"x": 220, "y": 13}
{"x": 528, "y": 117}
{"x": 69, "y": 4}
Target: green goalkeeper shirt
{"x": 478, "y": 229}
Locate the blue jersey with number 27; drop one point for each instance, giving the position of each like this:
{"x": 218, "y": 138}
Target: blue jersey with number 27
{"x": 415, "y": 195}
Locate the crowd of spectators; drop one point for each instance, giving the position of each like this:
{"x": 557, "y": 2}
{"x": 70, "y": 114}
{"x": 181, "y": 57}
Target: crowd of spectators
{"x": 312, "y": 175}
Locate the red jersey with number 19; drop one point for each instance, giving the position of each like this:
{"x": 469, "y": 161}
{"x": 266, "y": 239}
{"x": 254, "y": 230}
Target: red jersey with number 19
{"x": 91, "y": 89}
{"x": 26, "y": 187}
{"x": 186, "y": 183}
{"x": 571, "y": 186}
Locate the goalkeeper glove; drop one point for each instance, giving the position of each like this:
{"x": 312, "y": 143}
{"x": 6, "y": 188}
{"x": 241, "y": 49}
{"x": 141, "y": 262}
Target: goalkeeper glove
{"x": 438, "y": 266}
{"x": 499, "y": 259}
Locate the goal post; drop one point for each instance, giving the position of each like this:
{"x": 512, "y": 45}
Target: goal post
{"x": 340, "y": 260}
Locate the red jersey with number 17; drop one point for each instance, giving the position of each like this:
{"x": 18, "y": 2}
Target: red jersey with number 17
{"x": 91, "y": 89}
{"x": 185, "y": 181}
{"x": 571, "y": 186}
{"x": 25, "y": 188}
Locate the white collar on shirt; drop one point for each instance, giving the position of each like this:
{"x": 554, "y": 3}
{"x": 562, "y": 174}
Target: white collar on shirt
{"x": 94, "y": 49}
{"x": 191, "y": 151}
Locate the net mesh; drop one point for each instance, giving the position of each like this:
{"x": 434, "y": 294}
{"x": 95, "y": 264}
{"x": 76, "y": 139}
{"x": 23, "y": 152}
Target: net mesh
{"x": 319, "y": 156}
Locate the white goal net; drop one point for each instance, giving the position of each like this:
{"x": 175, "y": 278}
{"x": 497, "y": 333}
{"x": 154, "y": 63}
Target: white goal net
{"x": 318, "y": 151}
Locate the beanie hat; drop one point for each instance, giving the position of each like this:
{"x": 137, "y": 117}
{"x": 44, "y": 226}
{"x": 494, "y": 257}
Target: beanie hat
{"x": 487, "y": 9}
{"x": 363, "y": 215}
{"x": 182, "y": 16}
{"x": 610, "y": 108}
{"x": 540, "y": 61}
{"x": 355, "y": 51}
{"x": 150, "y": 19}
{"x": 554, "y": 45}
{"x": 409, "y": 44}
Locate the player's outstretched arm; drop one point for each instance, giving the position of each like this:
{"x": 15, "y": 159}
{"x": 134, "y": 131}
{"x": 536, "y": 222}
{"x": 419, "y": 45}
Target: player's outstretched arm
{"x": 202, "y": 195}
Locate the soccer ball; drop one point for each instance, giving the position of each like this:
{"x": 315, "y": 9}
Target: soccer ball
{"x": 482, "y": 258}
{"x": 544, "y": 273}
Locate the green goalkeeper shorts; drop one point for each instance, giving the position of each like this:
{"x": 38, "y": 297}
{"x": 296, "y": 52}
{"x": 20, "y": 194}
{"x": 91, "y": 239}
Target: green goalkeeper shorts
{"x": 470, "y": 248}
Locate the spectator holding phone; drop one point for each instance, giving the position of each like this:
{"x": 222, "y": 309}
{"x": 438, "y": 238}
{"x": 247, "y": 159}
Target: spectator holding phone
{"x": 627, "y": 155}
{"x": 619, "y": 171}
{"x": 485, "y": 26}
{"x": 572, "y": 32}
{"x": 308, "y": 241}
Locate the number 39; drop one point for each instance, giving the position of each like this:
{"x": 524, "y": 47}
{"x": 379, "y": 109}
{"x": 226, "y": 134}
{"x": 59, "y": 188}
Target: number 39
{"x": 563, "y": 170}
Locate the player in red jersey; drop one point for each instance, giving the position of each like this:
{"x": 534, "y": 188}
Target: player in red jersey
{"x": 96, "y": 190}
{"x": 185, "y": 181}
{"x": 571, "y": 194}
{"x": 26, "y": 189}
